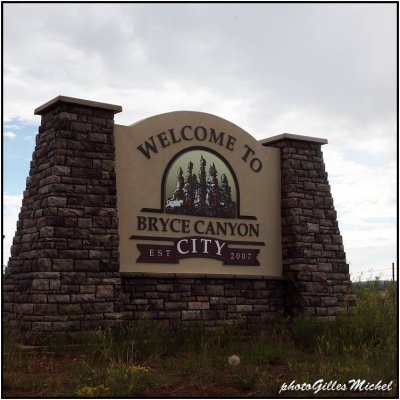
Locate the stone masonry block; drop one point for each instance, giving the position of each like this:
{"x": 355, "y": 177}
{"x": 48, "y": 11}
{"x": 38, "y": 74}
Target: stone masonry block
{"x": 191, "y": 315}
{"x": 62, "y": 264}
{"x": 165, "y": 288}
{"x": 329, "y": 301}
{"x": 41, "y": 327}
{"x": 244, "y": 308}
{"x": 175, "y": 305}
{"x": 46, "y": 232}
{"x": 312, "y": 228}
{"x": 105, "y": 291}
{"x": 44, "y": 264}
{"x": 169, "y": 314}
{"x": 55, "y": 284}
{"x": 156, "y": 304}
{"x": 59, "y": 298}
{"x": 103, "y": 307}
{"x": 210, "y": 315}
{"x": 215, "y": 300}
{"x": 24, "y": 309}
{"x": 86, "y": 265}
{"x": 140, "y": 301}
{"x": 84, "y": 289}
{"x": 182, "y": 288}
{"x": 314, "y": 287}
{"x": 303, "y": 276}
{"x": 198, "y": 305}
{"x": 325, "y": 267}
{"x": 198, "y": 290}
{"x": 318, "y": 276}
{"x": 83, "y": 298}
{"x": 36, "y": 298}
{"x": 214, "y": 290}
{"x": 66, "y": 326}
{"x": 58, "y": 201}
{"x": 69, "y": 309}
{"x": 73, "y": 278}
{"x": 40, "y": 284}
{"x": 60, "y": 170}
{"x": 66, "y": 289}
{"x": 97, "y": 137}
{"x": 45, "y": 309}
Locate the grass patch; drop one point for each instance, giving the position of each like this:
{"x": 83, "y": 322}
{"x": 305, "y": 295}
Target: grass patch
{"x": 146, "y": 360}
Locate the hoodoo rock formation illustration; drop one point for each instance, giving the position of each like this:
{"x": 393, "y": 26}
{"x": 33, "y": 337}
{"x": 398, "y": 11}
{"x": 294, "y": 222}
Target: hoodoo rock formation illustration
{"x": 203, "y": 196}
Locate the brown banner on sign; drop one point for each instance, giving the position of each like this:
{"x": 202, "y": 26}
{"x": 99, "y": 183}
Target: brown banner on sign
{"x": 197, "y": 246}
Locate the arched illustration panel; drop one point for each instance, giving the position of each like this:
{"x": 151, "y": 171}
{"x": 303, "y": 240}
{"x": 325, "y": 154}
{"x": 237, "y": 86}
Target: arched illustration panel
{"x": 200, "y": 182}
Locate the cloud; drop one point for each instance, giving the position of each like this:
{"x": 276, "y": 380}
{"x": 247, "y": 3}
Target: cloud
{"x": 365, "y": 198}
{"x": 9, "y": 134}
{"x": 284, "y": 56}
{"x": 11, "y": 208}
{"x": 12, "y": 126}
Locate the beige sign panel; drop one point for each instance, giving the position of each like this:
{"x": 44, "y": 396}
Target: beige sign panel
{"x": 197, "y": 194}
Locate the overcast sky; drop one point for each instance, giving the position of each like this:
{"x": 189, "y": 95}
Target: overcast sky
{"x": 324, "y": 70}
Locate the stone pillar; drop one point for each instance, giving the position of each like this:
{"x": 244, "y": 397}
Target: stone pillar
{"x": 314, "y": 261}
{"x": 63, "y": 270}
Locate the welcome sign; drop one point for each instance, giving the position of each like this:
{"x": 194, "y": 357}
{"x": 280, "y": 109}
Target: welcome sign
{"x": 196, "y": 194}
